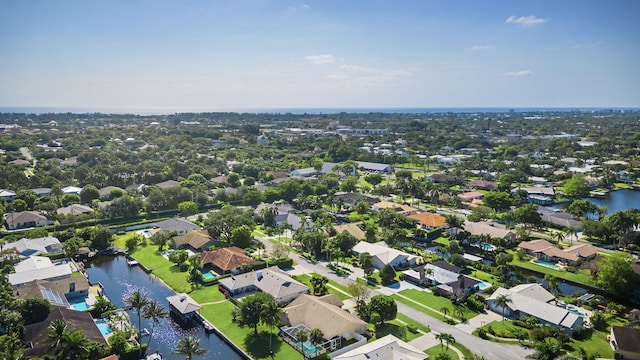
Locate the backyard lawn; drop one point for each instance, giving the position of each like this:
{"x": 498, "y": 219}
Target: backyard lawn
{"x": 255, "y": 345}
{"x": 583, "y": 276}
{"x": 306, "y": 279}
{"x": 162, "y": 268}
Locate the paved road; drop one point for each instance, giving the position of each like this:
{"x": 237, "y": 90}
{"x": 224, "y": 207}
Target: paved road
{"x": 490, "y": 350}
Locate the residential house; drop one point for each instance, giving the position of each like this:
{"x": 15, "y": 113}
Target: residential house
{"x": 226, "y": 260}
{"x": 625, "y": 341}
{"x": 399, "y": 208}
{"x": 71, "y": 190}
{"x": 20, "y": 162}
{"x": 350, "y": 199}
{"x": 42, "y": 192}
{"x": 7, "y": 195}
{"x": 494, "y": 230}
{"x": 33, "y": 247}
{"x": 271, "y": 280}
{"x": 57, "y": 292}
{"x": 168, "y": 184}
{"x": 534, "y": 300}
{"x": 72, "y": 161}
{"x": 544, "y": 250}
{"x": 74, "y": 209}
{"x": 37, "y": 335}
{"x": 441, "y": 178}
{"x": 470, "y": 196}
{"x": 429, "y": 221}
{"x": 324, "y": 313}
{"x": 183, "y": 306}
{"x": 483, "y": 184}
{"x": 355, "y": 229}
{"x": 444, "y": 276}
{"x": 26, "y": 219}
{"x": 179, "y": 225}
{"x": 382, "y": 254}
{"x": 39, "y": 268}
{"x": 374, "y": 167}
{"x": 197, "y": 240}
{"x": 562, "y": 219}
{"x": 105, "y": 192}
{"x": 222, "y": 179}
{"x": 385, "y": 348}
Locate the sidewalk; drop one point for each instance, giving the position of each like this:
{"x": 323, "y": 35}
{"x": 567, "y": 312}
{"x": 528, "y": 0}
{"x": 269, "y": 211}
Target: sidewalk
{"x": 478, "y": 321}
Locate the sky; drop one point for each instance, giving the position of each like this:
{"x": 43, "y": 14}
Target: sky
{"x": 214, "y": 55}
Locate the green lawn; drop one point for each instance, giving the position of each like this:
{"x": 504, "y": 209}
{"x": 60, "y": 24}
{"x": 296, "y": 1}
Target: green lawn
{"x": 162, "y": 268}
{"x": 436, "y": 302}
{"x": 306, "y": 279}
{"x": 583, "y": 276}
{"x": 410, "y": 321}
{"x": 255, "y": 345}
{"x": 397, "y": 329}
{"x": 207, "y": 294}
{"x": 434, "y": 351}
{"x": 425, "y": 310}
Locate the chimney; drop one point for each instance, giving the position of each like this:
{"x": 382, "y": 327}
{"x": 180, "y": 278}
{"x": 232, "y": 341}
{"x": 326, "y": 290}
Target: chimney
{"x": 72, "y": 286}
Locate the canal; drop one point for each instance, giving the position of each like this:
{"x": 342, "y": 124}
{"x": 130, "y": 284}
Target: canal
{"x": 119, "y": 280}
{"x": 614, "y": 201}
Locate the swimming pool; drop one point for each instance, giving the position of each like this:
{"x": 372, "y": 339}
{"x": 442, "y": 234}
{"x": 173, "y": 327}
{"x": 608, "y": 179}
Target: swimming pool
{"x": 547, "y": 264}
{"x": 485, "y": 246}
{"x": 310, "y": 348}
{"x": 80, "y": 304}
{"x": 208, "y": 276}
{"x": 483, "y": 285}
{"x": 573, "y": 309}
{"x": 145, "y": 233}
{"x": 104, "y": 327}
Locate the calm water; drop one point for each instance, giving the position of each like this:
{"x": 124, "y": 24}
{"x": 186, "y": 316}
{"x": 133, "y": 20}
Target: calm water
{"x": 119, "y": 279}
{"x": 616, "y": 201}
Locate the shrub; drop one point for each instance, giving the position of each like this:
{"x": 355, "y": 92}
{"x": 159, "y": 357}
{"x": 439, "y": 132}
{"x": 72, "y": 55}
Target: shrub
{"x": 285, "y": 263}
{"x": 183, "y": 267}
{"x": 412, "y": 328}
{"x": 483, "y": 333}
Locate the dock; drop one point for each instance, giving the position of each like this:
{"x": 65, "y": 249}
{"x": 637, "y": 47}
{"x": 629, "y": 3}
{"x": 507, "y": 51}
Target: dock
{"x": 208, "y": 327}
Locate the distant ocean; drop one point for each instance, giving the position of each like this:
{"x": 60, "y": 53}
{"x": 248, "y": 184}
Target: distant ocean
{"x": 300, "y": 111}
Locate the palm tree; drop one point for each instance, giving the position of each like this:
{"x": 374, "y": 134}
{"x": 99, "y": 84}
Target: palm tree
{"x": 196, "y": 263}
{"x": 74, "y": 345}
{"x": 316, "y": 337}
{"x": 445, "y": 311}
{"x": 502, "y": 301}
{"x": 571, "y": 233}
{"x": 154, "y": 312}
{"x": 136, "y": 302}
{"x": 302, "y": 335}
{"x": 188, "y": 346}
{"x": 270, "y": 316}
{"x": 11, "y": 347}
{"x": 558, "y": 236}
{"x": 57, "y": 329}
{"x": 445, "y": 339}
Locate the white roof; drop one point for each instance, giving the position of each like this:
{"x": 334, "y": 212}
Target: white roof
{"x": 38, "y": 268}
{"x": 386, "y": 348}
{"x": 520, "y": 301}
{"x": 183, "y": 303}
{"x": 382, "y": 251}
{"x": 33, "y": 246}
{"x": 71, "y": 189}
{"x": 270, "y": 280}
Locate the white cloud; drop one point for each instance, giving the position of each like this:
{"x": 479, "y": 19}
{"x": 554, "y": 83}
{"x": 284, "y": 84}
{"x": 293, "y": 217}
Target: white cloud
{"x": 526, "y": 21}
{"x": 482, "y": 47}
{"x": 320, "y": 59}
{"x": 305, "y": 6}
{"x": 353, "y": 67}
{"x": 588, "y": 45}
{"x": 519, "y": 73}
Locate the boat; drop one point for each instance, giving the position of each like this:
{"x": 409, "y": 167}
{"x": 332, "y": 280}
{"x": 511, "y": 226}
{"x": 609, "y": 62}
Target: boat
{"x": 154, "y": 356}
{"x": 144, "y": 332}
{"x": 132, "y": 262}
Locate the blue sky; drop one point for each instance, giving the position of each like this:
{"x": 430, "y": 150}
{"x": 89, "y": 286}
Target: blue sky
{"x": 159, "y": 55}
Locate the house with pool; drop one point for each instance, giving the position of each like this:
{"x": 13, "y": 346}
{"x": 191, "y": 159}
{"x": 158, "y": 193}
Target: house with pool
{"x": 446, "y": 277}
{"x": 547, "y": 253}
{"x": 226, "y": 260}
{"x": 271, "y": 280}
{"x": 534, "y": 300}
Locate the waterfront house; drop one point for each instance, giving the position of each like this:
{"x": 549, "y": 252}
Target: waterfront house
{"x": 33, "y": 247}
{"x": 183, "y": 306}
{"x": 57, "y": 292}
{"x": 196, "y": 240}
{"x": 179, "y": 225}
{"x": 382, "y": 254}
{"x": 271, "y": 280}
{"x": 544, "y": 250}
{"x": 388, "y": 347}
{"x": 625, "y": 340}
{"x": 39, "y": 268}
{"x": 226, "y": 260}
{"x": 562, "y": 219}
{"x": 37, "y": 335}
{"x": 444, "y": 276}
{"x": 534, "y": 300}
{"x": 324, "y": 313}
{"x": 494, "y": 230}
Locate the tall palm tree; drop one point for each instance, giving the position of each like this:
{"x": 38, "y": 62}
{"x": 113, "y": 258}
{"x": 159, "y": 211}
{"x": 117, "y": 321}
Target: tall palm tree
{"x": 302, "y": 336}
{"x": 136, "y": 302}
{"x": 571, "y": 233}
{"x": 154, "y": 312}
{"x": 188, "y": 346}
{"x": 270, "y": 316}
{"x": 445, "y": 311}
{"x": 196, "y": 263}
{"x": 57, "y": 329}
{"x": 316, "y": 337}
{"x": 74, "y": 346}
{"x": 445, "y": 339}
{"x": 502, "y": 301}
{"x": 11, "y": 347}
